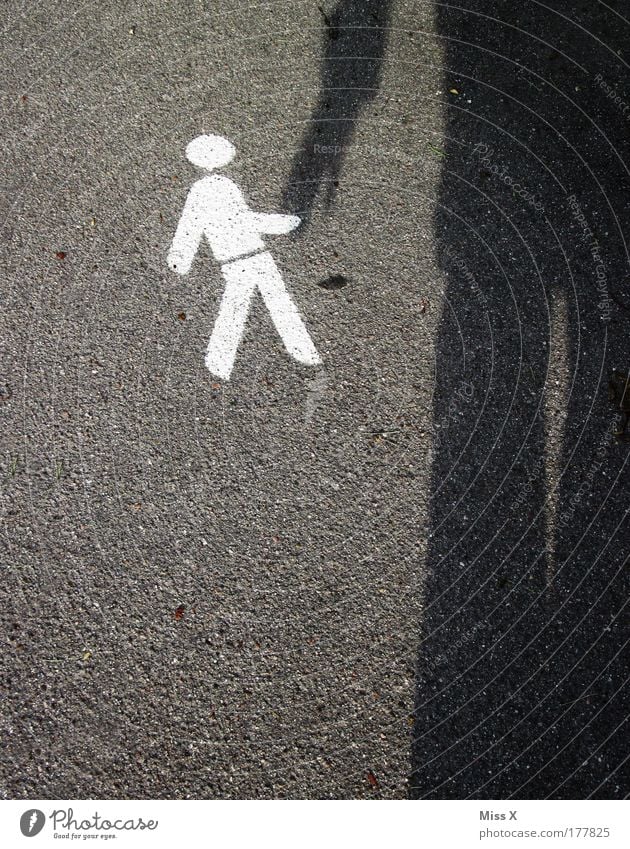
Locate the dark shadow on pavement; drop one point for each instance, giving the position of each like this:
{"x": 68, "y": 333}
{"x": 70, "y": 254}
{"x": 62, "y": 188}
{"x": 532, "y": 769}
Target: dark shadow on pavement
{"x": 521, "y": 670}
{"x": 354, "y": 44}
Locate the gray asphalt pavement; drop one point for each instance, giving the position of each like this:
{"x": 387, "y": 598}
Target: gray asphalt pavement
{"x": 402, "y": 573}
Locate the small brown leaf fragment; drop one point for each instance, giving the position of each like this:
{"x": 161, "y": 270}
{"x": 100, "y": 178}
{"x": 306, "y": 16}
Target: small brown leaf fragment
{"x": 24, "y": 98}
{"x": 216, "y": 385}
{"x": 179, "y": 613}
{"x": 373, "y": 780}
{"x": 61, "y": 254}
{"x": 181, "y": 316}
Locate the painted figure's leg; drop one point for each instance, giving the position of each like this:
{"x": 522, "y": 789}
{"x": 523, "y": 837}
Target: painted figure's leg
{"x": 283, "y": 311}
{"x": 230, "y": 323}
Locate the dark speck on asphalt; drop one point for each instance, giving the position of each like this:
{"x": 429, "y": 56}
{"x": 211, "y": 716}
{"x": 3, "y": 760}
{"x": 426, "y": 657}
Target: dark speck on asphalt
{"x": 334, "y": 282}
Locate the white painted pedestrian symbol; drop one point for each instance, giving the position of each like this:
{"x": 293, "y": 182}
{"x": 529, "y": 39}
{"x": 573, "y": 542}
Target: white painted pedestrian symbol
{"x": 215, "y": 208}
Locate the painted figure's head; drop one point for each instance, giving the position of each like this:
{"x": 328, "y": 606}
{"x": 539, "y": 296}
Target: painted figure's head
{"x": 210, "y": 152}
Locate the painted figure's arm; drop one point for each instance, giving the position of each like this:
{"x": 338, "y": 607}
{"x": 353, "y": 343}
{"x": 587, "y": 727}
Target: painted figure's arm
{"x": 277, "y": 225}
{"x": 187, "y": 237}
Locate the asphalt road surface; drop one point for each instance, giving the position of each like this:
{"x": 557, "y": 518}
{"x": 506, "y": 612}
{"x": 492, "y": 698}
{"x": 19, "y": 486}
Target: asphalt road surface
{"x": 402, "y": 573}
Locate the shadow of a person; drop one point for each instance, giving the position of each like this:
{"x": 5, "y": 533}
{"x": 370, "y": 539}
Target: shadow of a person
{"x": 519, "y": 671}
{"x": 355, "y": 36}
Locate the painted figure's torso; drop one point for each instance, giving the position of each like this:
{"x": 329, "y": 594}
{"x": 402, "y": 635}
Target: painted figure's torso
{"x": 219, "y": 208}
